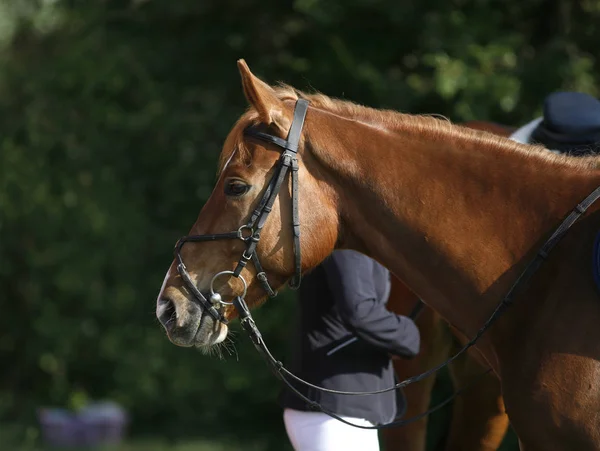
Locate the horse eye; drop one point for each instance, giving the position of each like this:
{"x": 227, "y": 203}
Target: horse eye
{"x": 236, "y": 188}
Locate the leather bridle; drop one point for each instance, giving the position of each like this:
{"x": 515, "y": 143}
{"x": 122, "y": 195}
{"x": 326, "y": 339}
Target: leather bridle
{"x": 250, "y": 232}
{"x": 288, "y": 161}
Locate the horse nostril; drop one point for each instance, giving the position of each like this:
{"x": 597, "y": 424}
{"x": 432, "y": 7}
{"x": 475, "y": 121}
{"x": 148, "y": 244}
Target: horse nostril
{"x": 165, "y": 312}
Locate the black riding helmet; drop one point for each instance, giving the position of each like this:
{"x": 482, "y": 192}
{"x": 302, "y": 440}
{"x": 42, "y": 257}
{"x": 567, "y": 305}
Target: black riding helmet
{"x": 571, "y": 124}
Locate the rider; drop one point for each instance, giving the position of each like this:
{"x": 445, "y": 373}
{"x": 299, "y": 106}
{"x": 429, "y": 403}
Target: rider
{"x": 344, "y": 341}
{"x": 570, "y": 124}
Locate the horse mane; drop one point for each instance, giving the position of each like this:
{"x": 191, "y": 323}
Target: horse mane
{"x": 385, "y": 119}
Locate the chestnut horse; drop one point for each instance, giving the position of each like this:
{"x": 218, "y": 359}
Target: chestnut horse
{"x": 456, "y": 214}
{"x": 479, "y": 422}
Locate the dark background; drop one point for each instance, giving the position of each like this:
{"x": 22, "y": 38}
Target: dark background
{"x": 112, "y": 114}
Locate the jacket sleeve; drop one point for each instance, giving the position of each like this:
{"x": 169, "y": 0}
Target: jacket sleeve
{"x": 350, "y": 277}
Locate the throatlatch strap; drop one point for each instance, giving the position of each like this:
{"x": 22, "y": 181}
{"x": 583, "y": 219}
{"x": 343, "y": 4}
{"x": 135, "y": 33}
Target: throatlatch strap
{"x": 288, "y": 160}
{"x": 295, "y": 283}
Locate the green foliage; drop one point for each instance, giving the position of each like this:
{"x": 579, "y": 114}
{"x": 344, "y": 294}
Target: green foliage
{"x": 112, "y": 115}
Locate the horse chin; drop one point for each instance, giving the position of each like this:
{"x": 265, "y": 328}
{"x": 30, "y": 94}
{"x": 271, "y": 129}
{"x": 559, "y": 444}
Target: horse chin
{"x": 208, "y": 337}
{"x": 193, "y": 327}
{"x": 210, "y": 333}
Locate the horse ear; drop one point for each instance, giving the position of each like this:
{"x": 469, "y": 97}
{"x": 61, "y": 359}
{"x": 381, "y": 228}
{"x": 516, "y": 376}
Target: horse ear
{"x": 263, "y": 98}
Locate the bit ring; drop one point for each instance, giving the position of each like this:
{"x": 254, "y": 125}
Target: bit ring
{"x": 212, "y": 291}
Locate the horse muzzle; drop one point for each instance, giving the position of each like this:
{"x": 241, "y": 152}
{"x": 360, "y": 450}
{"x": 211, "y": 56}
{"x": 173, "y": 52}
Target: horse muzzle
{"x": 186, "y": 322}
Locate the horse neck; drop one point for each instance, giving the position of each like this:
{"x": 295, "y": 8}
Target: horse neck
{"x": 455, "y": 215}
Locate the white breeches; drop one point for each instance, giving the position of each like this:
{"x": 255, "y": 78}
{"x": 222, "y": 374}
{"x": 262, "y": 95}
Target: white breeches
{"x": 316, "y": 431}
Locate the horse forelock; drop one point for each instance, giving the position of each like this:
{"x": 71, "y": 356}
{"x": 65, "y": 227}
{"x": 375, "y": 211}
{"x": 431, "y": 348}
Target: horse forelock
{"x": 235, "y": 146}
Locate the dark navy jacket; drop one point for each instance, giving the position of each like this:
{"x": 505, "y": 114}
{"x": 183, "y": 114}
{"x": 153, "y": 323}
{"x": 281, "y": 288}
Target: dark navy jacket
{"x": 345, "y": 337}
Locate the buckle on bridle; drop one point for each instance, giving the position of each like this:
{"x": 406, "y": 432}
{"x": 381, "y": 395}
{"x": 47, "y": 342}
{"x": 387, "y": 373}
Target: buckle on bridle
{"x": 247, "y": 321}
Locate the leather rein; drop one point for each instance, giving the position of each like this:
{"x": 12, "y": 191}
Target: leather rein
{"x": 250, "y": 234}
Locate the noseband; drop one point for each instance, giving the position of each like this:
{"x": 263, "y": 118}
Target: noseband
{"x": 250, "y": 232}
